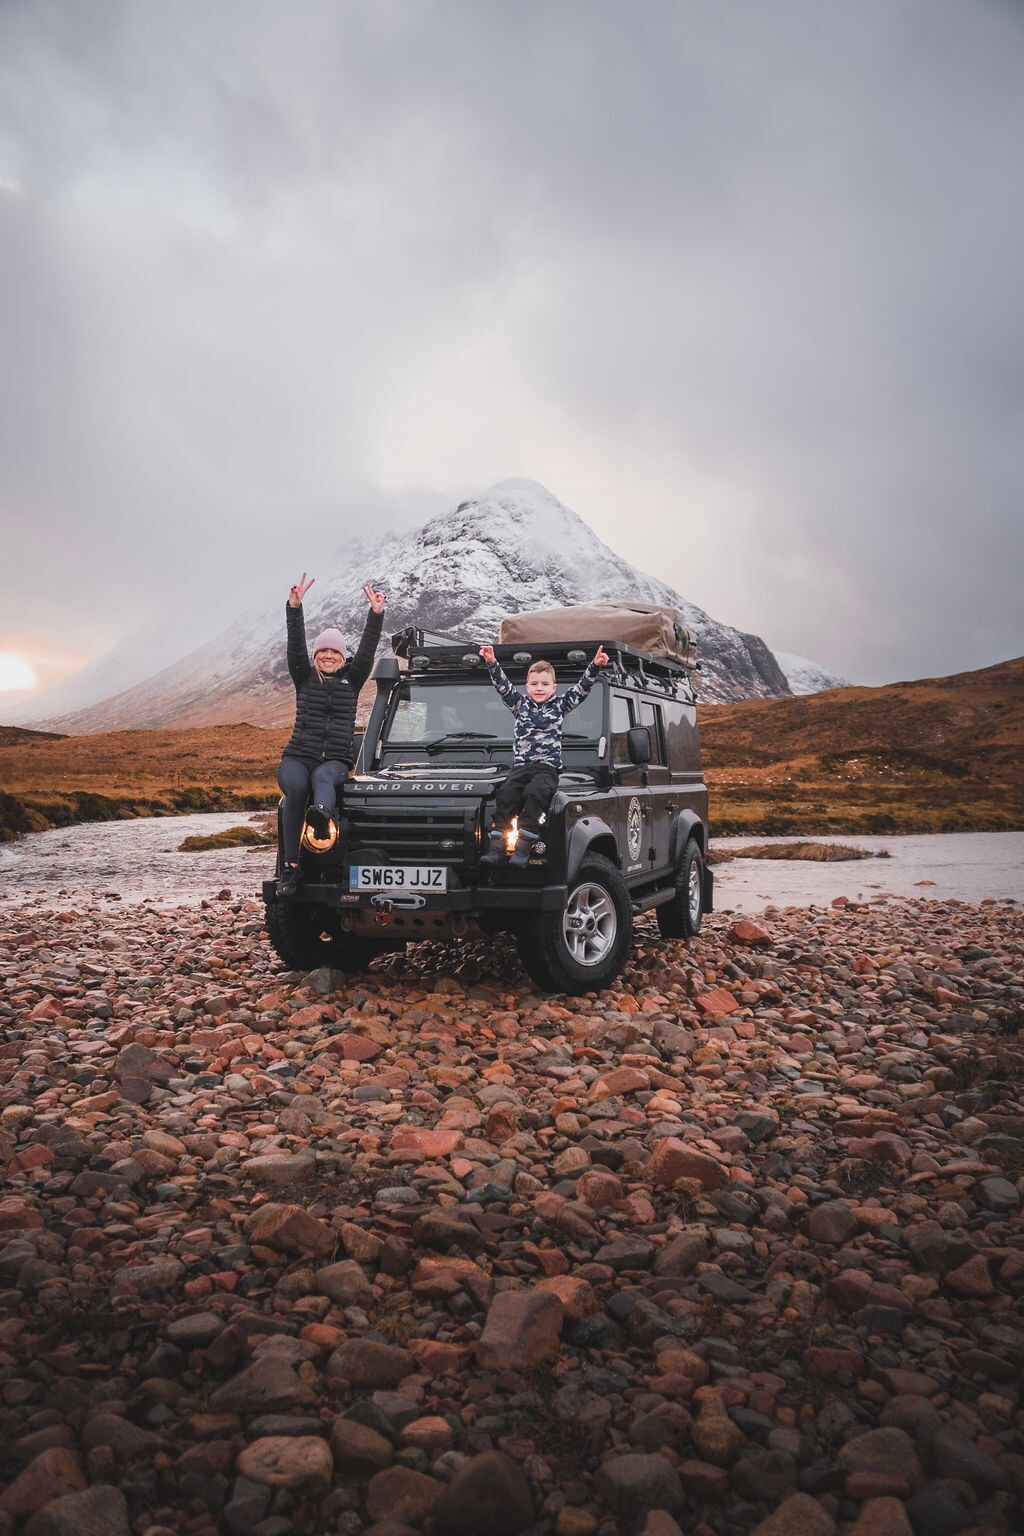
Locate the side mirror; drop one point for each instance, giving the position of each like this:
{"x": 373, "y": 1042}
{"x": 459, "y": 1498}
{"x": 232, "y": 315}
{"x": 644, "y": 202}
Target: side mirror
{"x": 638, "y": 745}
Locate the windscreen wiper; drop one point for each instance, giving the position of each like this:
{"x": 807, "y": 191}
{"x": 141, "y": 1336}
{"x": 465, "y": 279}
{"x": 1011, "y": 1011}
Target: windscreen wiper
{"x": 453, "y": 737}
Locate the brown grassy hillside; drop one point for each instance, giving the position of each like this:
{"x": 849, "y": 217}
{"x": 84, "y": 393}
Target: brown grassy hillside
{"x": 53, "y": 780}
{"x": 941, "y": 754}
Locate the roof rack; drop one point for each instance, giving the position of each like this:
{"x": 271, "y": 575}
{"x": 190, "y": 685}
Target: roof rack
{"x": 443, "y": 655}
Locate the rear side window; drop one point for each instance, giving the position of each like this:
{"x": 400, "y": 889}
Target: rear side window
{"x": 683, "y": 742}
{"x": 621, "y": 720}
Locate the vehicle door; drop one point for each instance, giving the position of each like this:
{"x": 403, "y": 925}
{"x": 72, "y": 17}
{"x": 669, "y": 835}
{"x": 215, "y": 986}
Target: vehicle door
{"x": 633, "y": 798}
{"x": 659, "y": 825}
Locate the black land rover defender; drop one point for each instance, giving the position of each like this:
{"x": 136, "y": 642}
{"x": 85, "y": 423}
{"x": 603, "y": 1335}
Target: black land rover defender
{"x": 627, "y": 829}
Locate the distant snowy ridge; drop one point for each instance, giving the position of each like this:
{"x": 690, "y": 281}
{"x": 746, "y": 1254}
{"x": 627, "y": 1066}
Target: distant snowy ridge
{"x": 511, "y": 550}
{"x": 805, "y": 676}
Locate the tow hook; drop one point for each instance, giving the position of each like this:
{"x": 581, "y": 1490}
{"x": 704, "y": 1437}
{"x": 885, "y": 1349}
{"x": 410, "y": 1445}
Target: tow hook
{"x": 385, "y": 904}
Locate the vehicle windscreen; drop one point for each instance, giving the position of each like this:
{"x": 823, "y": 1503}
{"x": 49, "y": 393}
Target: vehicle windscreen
{"x": 438, "y": 715}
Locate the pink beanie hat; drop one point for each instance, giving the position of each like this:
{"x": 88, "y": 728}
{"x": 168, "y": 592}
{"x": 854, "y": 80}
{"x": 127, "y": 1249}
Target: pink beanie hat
{"x": 329, "y": 640}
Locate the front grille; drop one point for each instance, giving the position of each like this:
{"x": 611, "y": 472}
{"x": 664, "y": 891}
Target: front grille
{"x": 412, "y": 835}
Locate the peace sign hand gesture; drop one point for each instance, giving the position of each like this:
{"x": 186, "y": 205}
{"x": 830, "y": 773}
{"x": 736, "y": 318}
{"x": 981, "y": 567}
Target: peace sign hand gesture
{"x": 299, "y": 591}
{"x": 376, "y": 600}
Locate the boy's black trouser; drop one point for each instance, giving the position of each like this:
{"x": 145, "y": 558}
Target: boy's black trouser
{"x": 527, "y": 792}
{"x": 323, "y": 784}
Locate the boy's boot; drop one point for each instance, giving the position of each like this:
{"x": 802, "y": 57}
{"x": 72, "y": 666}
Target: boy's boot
{"x": 495, "y": 854}
{"x": 524, "y": 847}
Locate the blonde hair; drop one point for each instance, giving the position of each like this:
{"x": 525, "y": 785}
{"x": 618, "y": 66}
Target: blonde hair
{"x": 541, "y": 666}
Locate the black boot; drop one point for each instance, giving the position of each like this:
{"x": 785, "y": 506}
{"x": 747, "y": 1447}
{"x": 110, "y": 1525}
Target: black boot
{"x": 524, "y": 847}
{"x": 288, "y": 884}
{"x": 318, "y": 820}
{"x": 495, "y": 855}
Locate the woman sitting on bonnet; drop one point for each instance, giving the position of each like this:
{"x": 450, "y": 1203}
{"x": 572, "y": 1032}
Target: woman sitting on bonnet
{"x": 319, "y": 756}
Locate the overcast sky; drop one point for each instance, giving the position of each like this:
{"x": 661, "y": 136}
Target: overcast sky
{"x": 740, "y": 283}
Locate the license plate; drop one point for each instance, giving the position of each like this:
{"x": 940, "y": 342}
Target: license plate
{"x": 398, "y": 877}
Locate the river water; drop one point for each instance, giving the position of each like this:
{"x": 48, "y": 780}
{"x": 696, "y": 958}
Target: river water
{"x": 139, "y": 861}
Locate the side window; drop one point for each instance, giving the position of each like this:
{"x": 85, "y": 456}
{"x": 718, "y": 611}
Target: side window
{"x": 650, "y": 715}
{"x": 681, "y": 727}
{"x": 621, "y": 720}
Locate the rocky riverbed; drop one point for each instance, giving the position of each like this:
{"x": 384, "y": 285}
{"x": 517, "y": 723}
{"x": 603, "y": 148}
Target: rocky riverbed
{"x": 734, "y": 1246}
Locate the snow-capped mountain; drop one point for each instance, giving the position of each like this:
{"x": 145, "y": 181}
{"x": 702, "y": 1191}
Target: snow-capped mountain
{"x": 805, "y": 676}
{"x": 514, "y": 549}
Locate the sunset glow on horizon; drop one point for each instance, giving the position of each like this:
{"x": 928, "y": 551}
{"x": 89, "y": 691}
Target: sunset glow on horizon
{"x": 16, "y": 673}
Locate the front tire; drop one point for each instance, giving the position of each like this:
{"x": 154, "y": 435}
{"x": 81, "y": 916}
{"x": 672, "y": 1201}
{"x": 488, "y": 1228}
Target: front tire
{"x": 305, "y": 937}
{"x": 681, "y": 917}
{"x": 584, "y": 947}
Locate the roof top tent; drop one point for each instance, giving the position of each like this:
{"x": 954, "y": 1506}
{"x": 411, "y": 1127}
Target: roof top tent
{"x": 441, "y": 655}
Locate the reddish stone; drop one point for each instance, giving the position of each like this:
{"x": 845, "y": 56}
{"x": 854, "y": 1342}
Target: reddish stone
{"x": 18, "y": 1215}
{"x": 752, "y": 934}
{"x": 33, "y": 1157}
{"x": 703, "y": 1482}
{"x": 440, "y": 1359}
{"x": 522, "y": 1330}
{"x": 356, "y": 1048}
{"x": 821, "y": 1360}
{"x": 439, "y": 1278}
{"x": 401, "y": 1495}
{"x": 301, "y": 1463}
{"x": 972, "y": 1279}
{"x": 599, "y": 1189}
{"x": 291, "y": 1230}
{"x": 577, "y": 1296}
{"x": 673, "y": 1159}
{"x": 797, "y": 1514}
{"x": 618, "y": 1081}
{"x": 551, "y": 1260}
{"x": 717, "y": 1002}
{"x": 50, "y": 1475}
{"x": 882, "y": 1517}
{"x": 432, "y": 1434}
{"x": 501, "y": 1123}
{"x": 424, "y": 1143}
{"x": 368, "y": 1363}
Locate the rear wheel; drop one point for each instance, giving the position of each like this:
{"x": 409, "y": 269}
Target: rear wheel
{"x": 583, "y": 947}
{"x": 681, "y": 917}
{"x": 306, "y": 937}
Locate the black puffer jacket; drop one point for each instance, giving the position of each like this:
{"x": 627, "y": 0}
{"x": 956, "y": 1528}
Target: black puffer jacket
{"x": 325, "y": 710}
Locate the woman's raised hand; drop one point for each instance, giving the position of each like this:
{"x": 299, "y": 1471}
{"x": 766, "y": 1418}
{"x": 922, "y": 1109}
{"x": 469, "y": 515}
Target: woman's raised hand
{"x": 299, "y": 591}
{"x": 376, "y": 600}
{"x": 487, "y": 652}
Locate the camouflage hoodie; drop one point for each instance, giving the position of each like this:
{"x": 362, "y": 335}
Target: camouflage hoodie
{"x": 537, "y": 732}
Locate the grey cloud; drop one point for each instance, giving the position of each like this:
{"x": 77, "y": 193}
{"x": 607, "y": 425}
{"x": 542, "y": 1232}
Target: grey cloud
{"x": 774, "y": 249}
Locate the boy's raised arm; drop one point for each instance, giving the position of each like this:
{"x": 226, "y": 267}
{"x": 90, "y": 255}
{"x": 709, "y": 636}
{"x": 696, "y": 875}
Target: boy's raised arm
{"x": 575, "y": 695}
{"x": 507, "y": 691}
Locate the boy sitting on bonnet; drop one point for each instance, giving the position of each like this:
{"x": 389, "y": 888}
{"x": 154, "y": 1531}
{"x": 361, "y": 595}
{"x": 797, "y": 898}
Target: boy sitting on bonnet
{"x": 536, "y": 751}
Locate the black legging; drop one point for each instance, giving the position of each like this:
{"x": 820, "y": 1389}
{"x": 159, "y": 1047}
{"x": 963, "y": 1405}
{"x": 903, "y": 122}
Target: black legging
{"x": 527, "y": 790}
{"x": 323, "y": 784}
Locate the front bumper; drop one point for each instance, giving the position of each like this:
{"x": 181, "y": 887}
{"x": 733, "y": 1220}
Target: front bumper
{"x": 474, "y": 898}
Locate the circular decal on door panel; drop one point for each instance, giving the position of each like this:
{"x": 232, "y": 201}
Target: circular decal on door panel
{"x": 634, "y": 830}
